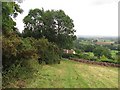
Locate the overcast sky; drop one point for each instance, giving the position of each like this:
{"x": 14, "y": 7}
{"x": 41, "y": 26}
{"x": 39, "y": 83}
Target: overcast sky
{"x": 91, "y": 17}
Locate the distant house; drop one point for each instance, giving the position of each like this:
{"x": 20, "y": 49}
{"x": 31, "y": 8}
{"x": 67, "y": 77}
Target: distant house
{"x": 68, "y": 51}
{"x": 104, "y": 43}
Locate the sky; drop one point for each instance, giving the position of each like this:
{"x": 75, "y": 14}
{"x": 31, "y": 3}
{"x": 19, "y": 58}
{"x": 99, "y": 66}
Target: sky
{"x": 91, "y": 17}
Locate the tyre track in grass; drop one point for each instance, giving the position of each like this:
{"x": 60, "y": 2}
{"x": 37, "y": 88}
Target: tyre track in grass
{"x": 71, "y": 74}
{"x": 82, "y": 79}
{"x": 73, "y": 78}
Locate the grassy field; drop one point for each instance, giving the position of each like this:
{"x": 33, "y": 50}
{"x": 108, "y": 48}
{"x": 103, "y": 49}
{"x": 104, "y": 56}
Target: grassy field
{"x": 70, "y": 74}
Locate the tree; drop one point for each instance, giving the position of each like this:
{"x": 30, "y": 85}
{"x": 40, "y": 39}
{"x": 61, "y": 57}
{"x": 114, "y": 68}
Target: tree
{"x": 89, "y": 48}
{"x": 100, "y": 51}
{"x": 10, "y": 40}
{"x": 56, "y": 26}
{"x": 10, "y": 10}
{"x": 118, "y": 40}
{"x": 95, "y": 41}
{"x": 119, "y": 47}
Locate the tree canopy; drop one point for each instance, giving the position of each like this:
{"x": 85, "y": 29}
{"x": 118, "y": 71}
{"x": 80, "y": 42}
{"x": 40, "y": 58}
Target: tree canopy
{"x": 10, "y": 10}
{"x": 100, "y": 51}
{"x": 56, "y": 26}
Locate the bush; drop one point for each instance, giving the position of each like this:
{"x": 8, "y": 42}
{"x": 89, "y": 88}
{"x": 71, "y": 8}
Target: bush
{"x": 16, "y": 49}
{"x": 86, "y": 56}
{"x": 103, "y": 58}
{"x": 27, "y": 49}
{"x": 76, "y": 55}
{"x": 109, "y": 61}
{"x": 47, "y": 52}
{"x": 94, "y": 58}
{"x": 65, "y": 55}
{"x": 10, "y": 46}
{"x": 118, "y": 53}
{"x": 78, "y": 51}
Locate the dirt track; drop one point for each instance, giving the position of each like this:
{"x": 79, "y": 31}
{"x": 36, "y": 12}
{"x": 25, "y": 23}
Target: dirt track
{"x": 94, "y": 62}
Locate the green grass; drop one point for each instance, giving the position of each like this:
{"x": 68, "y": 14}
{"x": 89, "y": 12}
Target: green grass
{"x": 113, "y": 52}
{"x": 70, "y": 74}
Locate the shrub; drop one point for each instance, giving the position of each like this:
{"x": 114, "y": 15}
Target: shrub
{"x": 26, "y": 49}
{"x": 93, "y": 58}
{"x": 10, "y": 49}
{"x": 109, "y": 60}
{"x": 16, "y": 49}
{"x": 47, "y": 52}
{"x": 65, "y": 55}
{"x": 76, "y": 55}
{"x": 86, "y": 56}
{"x": 81, "y": 55}
{"x": 78, "y": 51}
{"x": 118, "y": 53}
{"x": 103, "y": 58}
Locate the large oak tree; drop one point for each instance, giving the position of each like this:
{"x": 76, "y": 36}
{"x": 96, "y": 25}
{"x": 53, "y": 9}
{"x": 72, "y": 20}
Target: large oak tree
{"x": 56, "y": 26}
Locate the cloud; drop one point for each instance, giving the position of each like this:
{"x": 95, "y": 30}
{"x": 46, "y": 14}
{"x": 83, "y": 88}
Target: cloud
{"x": 102, "y": 2}
{"x": 91, "y": 17}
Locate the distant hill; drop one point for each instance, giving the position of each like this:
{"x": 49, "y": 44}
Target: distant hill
{"x": 88, "y": 36}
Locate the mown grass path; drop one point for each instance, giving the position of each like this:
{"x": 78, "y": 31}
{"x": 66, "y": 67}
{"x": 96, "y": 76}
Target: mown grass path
{"x": 71, "y": 74}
